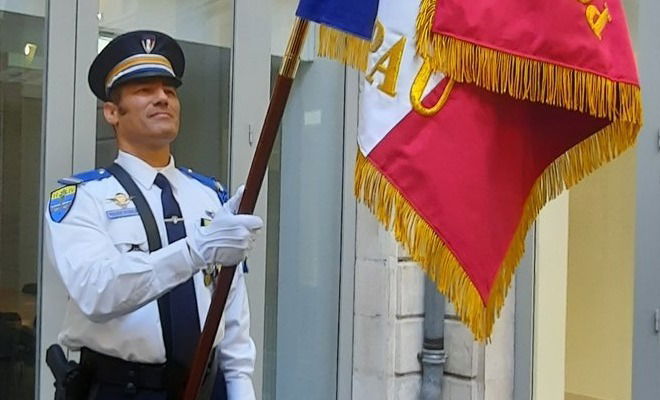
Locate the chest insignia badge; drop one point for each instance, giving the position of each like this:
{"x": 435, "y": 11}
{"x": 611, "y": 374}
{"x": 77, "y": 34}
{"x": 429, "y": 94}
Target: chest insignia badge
{"x": 121, "y": 200}
{"x": 210, "y": 273}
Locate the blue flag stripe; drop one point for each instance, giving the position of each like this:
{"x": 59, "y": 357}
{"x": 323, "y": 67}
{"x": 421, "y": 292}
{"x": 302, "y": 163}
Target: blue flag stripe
{"x": 356, "y": 17}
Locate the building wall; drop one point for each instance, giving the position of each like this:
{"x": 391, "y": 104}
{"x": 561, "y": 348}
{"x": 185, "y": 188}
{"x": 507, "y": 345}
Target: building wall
{"x": 599, "y": 327}
{"x": 646, "y": 339}
{"x": 388, "y": 330}
{"x": 550, "y": 300}
{"x": 600, "y": 282}
{"x": 375, "y": 318}
{"x": 499, "y": 354}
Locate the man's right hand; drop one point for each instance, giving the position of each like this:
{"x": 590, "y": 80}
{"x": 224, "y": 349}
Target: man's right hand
{"x": 225, "y": 240}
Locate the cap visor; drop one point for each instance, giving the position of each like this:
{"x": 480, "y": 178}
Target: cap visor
{"x": 143, "y": 75}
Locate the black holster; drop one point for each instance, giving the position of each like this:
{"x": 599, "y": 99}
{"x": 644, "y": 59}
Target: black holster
{"x": 71, "y": 381}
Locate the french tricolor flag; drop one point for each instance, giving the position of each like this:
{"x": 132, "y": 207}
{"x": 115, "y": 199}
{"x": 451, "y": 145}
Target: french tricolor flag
{"x": 473, "y": 115}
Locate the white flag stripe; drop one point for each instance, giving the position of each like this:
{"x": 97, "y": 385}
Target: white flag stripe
{"x": 380, "y": 112}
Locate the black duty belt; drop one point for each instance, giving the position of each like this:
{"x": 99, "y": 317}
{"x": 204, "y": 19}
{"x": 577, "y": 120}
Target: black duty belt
{"x": 115, "y": 371}
{"x": 133, "y": 376}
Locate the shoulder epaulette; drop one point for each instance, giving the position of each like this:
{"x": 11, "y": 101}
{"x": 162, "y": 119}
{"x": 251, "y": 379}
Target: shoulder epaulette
{"x": 87, "y": 176}
{"x": 208, "y": 181}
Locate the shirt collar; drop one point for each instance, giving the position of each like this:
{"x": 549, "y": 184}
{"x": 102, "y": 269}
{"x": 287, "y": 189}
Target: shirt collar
{"x": 142, "y": 172}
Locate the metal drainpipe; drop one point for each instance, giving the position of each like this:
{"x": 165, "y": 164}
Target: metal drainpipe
{"x": 433, "y": 356}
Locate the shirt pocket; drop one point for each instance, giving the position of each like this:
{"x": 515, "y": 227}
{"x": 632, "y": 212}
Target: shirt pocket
{"x": 127, "y": 234}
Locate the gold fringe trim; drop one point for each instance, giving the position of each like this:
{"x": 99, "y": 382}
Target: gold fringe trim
{"x": 438, "y": 261}
{"x": 524, "y": 78}
{"x": 343, "y": 47}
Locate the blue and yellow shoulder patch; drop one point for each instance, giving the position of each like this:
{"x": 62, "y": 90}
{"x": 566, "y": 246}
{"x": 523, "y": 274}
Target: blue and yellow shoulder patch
{"x": 208, "y": 181}
{"x": 61, "y": 200}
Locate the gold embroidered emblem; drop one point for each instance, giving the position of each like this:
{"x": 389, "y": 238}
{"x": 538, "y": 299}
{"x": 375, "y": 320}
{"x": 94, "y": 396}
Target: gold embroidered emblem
{"x": 121, "y": 200}
{"x": 598, "y": 19}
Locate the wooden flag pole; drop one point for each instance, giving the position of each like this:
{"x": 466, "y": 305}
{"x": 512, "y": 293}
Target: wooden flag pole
{"x": 252, "y": 187}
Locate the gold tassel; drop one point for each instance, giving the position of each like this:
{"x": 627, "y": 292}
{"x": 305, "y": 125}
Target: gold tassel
{"x": 343, "y": 47}
{"x": 524, "y": 78}
{"x": 437, "y": 260}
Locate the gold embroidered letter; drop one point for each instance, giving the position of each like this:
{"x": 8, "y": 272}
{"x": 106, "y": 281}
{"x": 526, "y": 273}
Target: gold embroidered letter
{"x": 379, "y": 36}
{"x": 417, "y": 90}
{"x": 598, "y": 19}
{"x": 389, "y": 64}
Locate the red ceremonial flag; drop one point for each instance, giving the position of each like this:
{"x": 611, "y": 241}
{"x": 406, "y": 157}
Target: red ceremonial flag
{"x": 536, "y": 95}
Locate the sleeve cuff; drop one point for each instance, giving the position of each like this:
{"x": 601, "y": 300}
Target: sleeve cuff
{"x": 176, "y": 257}
{"x": 240, "y": 389}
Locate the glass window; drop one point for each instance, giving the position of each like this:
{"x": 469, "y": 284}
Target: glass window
{"x": 204, "y": 29}
{"x": 304, "y": 229}
{"x": 22, "y": 49}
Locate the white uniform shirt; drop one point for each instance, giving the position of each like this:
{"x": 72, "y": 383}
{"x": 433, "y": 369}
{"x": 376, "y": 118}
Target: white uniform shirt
{"x": 113, "y": 281}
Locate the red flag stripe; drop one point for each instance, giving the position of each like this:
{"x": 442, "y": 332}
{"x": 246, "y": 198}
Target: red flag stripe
{"x": 461, "y": 189}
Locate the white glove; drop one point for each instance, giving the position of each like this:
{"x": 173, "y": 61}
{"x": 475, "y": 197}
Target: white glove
{"x": 226, "y": 240}
{"x": 232, "y": 204}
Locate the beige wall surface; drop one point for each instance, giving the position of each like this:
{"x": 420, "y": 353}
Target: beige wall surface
{"x": 600, "y": 282}
{"x": 550, "y": 299}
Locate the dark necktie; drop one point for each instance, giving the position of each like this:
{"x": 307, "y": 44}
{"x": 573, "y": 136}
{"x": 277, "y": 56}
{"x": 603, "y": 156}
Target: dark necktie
{"x": 178, "y": 308}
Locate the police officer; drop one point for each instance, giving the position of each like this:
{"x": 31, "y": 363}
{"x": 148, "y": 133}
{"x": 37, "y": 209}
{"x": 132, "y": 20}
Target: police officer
{"x": 139, "y": 292}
